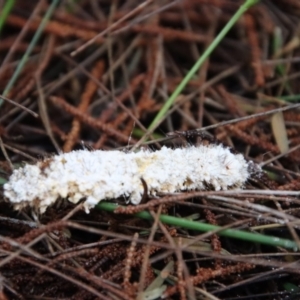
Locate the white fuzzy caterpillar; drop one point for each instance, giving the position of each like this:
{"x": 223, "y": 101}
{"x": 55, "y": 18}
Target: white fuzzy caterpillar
{"x": 99, "y": 175}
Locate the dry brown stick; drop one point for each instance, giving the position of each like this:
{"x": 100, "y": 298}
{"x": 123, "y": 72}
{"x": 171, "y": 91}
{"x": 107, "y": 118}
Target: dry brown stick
{"x": 90, "y": 90}
{"x": 56, "y": 28}
{"x": 20, "y": 36}
{"x": 114, "y": 25}
{"x": 89, "y": 120}
{"x": 48, "y": 51}
{"x": 255, "y": 50}
{"x": 133, "y": 86}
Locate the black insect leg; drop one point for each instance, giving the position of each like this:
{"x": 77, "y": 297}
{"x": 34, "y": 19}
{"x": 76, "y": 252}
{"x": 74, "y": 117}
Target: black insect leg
{"x": 145, "y": 193}
{"x": 189, "y": 135}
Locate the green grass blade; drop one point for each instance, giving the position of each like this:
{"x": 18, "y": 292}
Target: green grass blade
{"x": 5, "y": 12}
{"x": 198, "y": 226}
{"x": 200, "y": 62}
{"x": 290, "y": 97}
{"x": 30, "y": 48}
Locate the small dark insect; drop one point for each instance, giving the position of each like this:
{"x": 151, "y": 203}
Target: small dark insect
{"x": 191, "y": 134}
{"x": 196, "y": 137}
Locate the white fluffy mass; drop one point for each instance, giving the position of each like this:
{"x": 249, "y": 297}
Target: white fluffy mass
{"x": 99, "y": 175}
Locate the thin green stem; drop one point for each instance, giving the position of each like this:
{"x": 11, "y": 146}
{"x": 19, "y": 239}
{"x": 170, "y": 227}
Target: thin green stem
{"x": 198, "y": 226}
{"x": 5, "y": 12}
{"x": 200, "y": 62}
{"x": 290, "y": 97}
{"x": 30, "y": 48}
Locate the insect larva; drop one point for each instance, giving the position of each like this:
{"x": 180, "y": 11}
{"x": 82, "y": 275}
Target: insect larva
{"x": 99, "y": 175}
